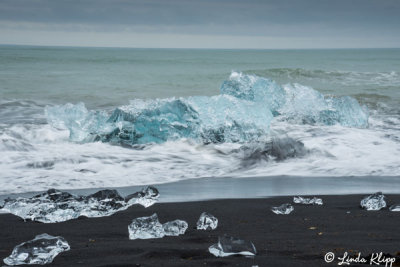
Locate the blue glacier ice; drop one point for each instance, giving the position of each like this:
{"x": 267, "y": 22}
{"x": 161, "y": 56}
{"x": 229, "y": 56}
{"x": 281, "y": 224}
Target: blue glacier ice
{"x": 215, "y": 119}
{"x": 77, "y": 119}
{"x": 241, "y": 113}
{"x": 297, "y": 103}
{"x": 254, "y": 88}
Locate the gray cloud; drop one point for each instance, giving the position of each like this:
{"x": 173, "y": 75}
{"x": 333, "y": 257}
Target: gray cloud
{"x": 338, "y": 19}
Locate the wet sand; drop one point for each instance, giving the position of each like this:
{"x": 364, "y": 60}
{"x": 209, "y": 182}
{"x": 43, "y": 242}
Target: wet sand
{"x": 299, "y": 239}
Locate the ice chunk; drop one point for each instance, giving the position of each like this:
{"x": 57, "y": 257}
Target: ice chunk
{"x": 308, "y": 201}
{"x": 103, "y": 202}
{"x": 57, "y": 206}
{"x": 77, "y": 119}
{"x": 296, "y": 102}
{"x": 215, "y": 119}
{"x": 254, "y": 88}
{"x": 175, "y": 228}
{"x": 374, "y": 202}
{"x": 207, "y": 221}
{"x": 224, "y": 118}
{"x": 283, "y": 209}
{"x": 150, "y": 227}
{"x": 146, "y": 228}
{"x": 41, "y": 250}
{"x": 147, "y": 197}
{"x": 241, "y": 113}
{"x": 395, "y": 207}
{"x": 228, "y": 246}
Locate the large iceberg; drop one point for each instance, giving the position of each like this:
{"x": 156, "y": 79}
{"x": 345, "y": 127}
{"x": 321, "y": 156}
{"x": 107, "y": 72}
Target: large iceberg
{"x": 41, "y": 250}
{"x": 57, "y": 206}
{"x": 241, "y": 113}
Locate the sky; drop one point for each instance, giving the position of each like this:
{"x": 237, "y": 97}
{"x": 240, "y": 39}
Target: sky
{"x": 258, "y": 24}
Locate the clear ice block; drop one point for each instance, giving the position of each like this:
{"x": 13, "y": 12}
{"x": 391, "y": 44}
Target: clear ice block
{"x": 146, "y": 228}
{"x": 41, "y": 250}
{"x": 308, "y": 201}
{"x": 283, "y": 209}
{"x": 175, "y": 228}
{"x": 374, "y": 202}
{"x": 147, "y": 197}
{"x": 207, "y": 221}
{"x": 57, "y": 206}
{"x": 228, "y": 246}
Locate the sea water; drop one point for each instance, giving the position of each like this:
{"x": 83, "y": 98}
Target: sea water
{"x": 110, "y": 117}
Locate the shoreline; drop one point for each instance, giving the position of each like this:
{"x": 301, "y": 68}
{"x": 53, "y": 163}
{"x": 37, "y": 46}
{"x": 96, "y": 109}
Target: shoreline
{"x": 299, "y": 239}
{"x": 211, "y": 188}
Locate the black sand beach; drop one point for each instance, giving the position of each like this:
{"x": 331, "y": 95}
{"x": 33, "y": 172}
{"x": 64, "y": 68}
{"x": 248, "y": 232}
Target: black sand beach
{"x": 299, "y": 239}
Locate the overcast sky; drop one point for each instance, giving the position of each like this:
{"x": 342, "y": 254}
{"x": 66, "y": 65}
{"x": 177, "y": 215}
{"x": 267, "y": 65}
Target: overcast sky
{"x": 202, "y": 23}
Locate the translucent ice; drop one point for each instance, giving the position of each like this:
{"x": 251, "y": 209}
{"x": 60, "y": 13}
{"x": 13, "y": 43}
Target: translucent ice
{"x": 207, "y": 222}
{"x": 228, "y": 246}
{"x": 308, "y": 201}
{"x": 242, "y": 112}
{"x": 150, "y": 227}
{"x": 147, "y": 197}
{"x": 146, "y": 228}
{"x": 175, "y": 228}
{"x": 296, "y": 102}
{"x": 57, "y": 206}
{"x": 374, "y": 202}
{"x": 283, "y": 209}
{"x": 395, "y": 207}
{"x": 41, "y": 250}
{"x": 215, "y": 119}
{"x": 77, "y": 119}
{"x": 254, "y": 88}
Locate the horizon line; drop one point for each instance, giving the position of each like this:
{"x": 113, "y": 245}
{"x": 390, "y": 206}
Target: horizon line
{"x": 198, "y": 48}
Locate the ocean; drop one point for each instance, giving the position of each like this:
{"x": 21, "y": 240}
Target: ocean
{"x": 74, "y": 118}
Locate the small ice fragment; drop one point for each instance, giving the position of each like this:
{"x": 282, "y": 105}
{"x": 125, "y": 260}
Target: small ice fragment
{"x": 228, "y": 246}
{"x": 175, "y": 228}
{"x": 308, "y": 201}
{"x": 395, "y": 207}
{"x": 41, "y": 250}
{"x": 147, "y": 197}
{"x": 373, "y": 202}
{"x": 207, "y": 221}
{"x": 283, "y": 209}
{"x": 146, "y": 228}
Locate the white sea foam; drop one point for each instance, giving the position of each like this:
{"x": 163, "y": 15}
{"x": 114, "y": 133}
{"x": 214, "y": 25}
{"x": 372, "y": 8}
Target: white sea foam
{"x": 38, "y": 157}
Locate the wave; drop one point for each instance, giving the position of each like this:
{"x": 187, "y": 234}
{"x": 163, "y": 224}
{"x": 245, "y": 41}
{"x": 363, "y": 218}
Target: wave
{"x": 390, "y": 78}
{"x": 243, "y": 112}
